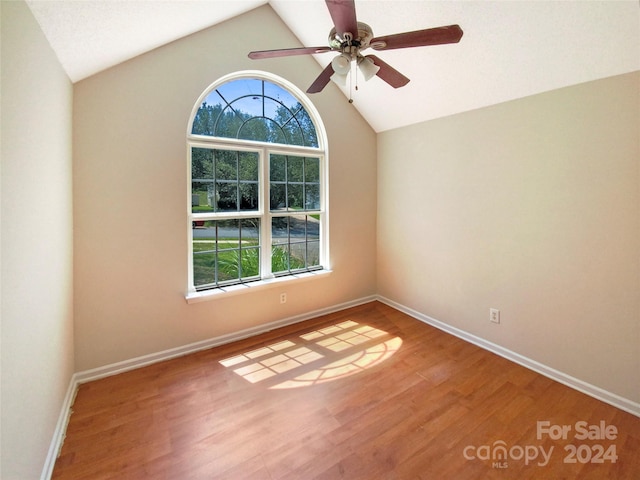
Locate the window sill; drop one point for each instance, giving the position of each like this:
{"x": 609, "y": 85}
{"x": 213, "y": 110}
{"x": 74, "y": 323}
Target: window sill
{"x": 226, "y": 292}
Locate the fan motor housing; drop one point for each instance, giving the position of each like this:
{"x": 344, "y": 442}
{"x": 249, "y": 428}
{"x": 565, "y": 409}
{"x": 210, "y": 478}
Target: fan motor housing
{"x": 361, "y": 40}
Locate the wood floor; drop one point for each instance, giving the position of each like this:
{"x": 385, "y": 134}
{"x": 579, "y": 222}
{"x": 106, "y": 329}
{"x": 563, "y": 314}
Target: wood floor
{"x": 367, "y": 393}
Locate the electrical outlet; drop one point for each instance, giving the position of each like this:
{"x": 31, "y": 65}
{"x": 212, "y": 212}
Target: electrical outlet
{"x": 494, "y": 315}
{"x": 283, "y": 298}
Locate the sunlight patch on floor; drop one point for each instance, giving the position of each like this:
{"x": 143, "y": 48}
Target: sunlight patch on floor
{"x": 322, "y": 355}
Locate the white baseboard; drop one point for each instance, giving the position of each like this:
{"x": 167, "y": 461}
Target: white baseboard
{"x": 60, "y": 430}
{"x": 575, "y": 383}
{"x": 126, "y": 365}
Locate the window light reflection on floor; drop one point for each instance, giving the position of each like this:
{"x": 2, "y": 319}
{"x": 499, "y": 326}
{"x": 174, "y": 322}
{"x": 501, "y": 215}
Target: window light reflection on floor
{"x": 322, "y": 355}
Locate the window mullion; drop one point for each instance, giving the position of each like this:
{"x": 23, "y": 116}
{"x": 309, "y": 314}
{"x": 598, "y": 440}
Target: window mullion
{"x": 217, "y": 255}
{"x": 240, "y": 273}
{"x": 306, "y": 243}
{"x": 238, "y": 195}
{"x": 215, "y": 184}
{"x": 286, "y": 183}
{"x": 304, "y": 183}
{"x": 265, "y": 214}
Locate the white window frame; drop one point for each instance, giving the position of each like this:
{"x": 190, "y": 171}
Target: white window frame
{"x": 264, "y": 150}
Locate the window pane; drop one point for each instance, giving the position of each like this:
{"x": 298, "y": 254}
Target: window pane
{"x": 226, "y": 165}
{"x": 313, "y": 241}
{"x": 278, "y": 196}
{"x": 248, "y": 166}
{"x": 250, "y": 262}
{"x": 280, "y": 230}
{"x": 313, "y": 254}
{"x": 255, "y": 109}
{"x": 295, "y": 243}
{"x": 204, "y": 257}
{"x": 249, "y": 105}
{"x": 313, "y": 227}
{"x": 255, "y": 129}
{"x": 204, "y": 270}
{"x": 202, "y": 179}
{"x": 227, "y": 124}
{"x": 278, "y": 168}
{"x": 230, "y": 181}
{"x": 203, "y": 122}
{"x": 295, "y": 135}
{"x": 239, "y": 247}
{"x": 202, "y": 163}
{"x": 294, "y": 183}
{"x": 295, "y": 197}
{"x": 227, "y": 181}
{"x": 307, "y": 128}
{"x": 294, "y": 169}
{"x": 312, "y": 170}
{"x": 280, "y": 258}
{"x": 228, "y": 234}
{"x": 202, "y": 196}
{"x": 250, "y": 247}
{"x": 312, "y": 183}
{"x": 248, "y": 175}
{"x": 312, "y": 197}
{"x": 225, "y": 251}
{"x": 227, "y": 196}
{"x": 250, "y": 232}
{"x": 249, "y": 196}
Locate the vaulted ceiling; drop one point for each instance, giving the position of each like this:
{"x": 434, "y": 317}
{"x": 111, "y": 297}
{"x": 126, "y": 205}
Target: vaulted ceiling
{"x": 510, "y": 49}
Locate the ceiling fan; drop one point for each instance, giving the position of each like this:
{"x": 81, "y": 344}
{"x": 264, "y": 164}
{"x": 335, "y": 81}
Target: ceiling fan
{"x": 350, "y": 37}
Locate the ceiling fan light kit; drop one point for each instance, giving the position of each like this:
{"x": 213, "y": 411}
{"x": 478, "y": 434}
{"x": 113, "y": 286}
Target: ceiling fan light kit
{"x": 341, "y": 64}
{"x": 368, "y": 68}
{"x": 340, "y": 79}
{"x": 350, "y": 37}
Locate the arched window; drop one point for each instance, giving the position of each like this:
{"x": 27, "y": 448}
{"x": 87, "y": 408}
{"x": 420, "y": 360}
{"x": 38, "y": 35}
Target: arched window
{"x": 258, "y": 196}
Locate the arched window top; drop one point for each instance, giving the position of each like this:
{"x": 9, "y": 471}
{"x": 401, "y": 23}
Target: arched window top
{"x": 256, "y": 109}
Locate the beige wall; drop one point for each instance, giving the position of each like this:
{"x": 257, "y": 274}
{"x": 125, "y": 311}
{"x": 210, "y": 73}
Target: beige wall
{"x": 531, "y": 207}
{"x": 37, "y": 319}
{"x": 130, "y": 197}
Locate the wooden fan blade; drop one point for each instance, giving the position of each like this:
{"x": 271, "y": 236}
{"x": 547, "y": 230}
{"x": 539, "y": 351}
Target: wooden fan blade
{"x": 322, "y": 80}
{"x": 285, "y": 52}
{"x": 419, "y": 38}
{"x": 343, "y": 14}
{"x": 388, "y": 73}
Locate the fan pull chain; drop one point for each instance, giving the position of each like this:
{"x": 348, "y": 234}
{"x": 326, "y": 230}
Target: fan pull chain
{"x": 354, "y": 73}
{"x": 351, "y": 83}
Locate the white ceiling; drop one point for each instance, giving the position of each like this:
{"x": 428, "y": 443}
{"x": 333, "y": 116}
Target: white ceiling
{"x": 510, "y": 49}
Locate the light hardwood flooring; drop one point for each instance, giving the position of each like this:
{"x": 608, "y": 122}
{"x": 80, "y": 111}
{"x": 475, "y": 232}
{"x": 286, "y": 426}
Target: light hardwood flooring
{"x": 366, "y": 393}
